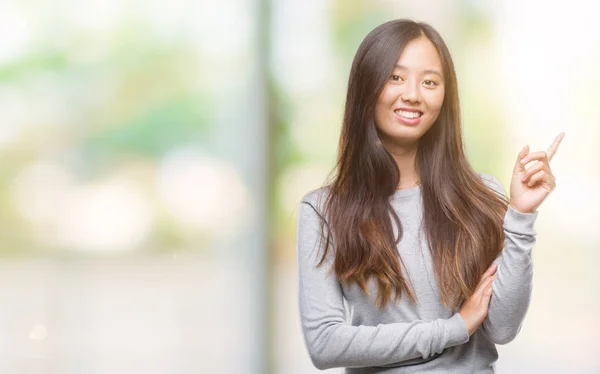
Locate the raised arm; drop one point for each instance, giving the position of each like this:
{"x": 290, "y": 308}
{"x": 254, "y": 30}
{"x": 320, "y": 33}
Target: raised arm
{"x": 330, "y": 340}
{"x": 511, "y": 290}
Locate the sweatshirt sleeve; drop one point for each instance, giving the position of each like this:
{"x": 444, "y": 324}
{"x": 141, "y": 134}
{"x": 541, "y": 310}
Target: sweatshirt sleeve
{"x": 511, "y": 290}
{"x": 330, "y": 340}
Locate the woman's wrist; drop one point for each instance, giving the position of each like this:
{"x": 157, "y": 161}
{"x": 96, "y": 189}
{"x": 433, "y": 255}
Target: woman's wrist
{"x": 521, "y": 210}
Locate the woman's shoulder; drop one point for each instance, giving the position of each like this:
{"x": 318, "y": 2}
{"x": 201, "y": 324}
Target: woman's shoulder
{"x": 492, "y": 182}
{"x": 316, "y": 197}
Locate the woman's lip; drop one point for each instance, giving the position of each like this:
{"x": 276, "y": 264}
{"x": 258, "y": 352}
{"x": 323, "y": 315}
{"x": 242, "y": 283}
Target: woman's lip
{"x": 408, "y": 121}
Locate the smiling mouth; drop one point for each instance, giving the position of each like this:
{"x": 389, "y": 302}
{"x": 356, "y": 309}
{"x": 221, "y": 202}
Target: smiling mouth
{"x": 408, "y": 114}
{"x": 408, "y": 117}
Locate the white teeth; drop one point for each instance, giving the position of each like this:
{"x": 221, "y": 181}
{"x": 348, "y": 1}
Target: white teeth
{"x": 406, "y": 114}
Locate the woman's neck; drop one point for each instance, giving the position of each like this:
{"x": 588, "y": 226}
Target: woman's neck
{"x": 405, "y": 159}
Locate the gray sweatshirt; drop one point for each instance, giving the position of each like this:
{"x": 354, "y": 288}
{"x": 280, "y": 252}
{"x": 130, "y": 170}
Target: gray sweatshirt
{"x": 342, "y": 326}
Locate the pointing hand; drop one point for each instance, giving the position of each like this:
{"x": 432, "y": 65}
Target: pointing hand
{"x": 530, "y": 187}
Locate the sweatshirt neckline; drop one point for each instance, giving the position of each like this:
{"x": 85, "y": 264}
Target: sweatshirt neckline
{"x": 407, "y": 191}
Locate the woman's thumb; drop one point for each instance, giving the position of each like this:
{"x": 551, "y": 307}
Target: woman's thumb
{"x": 524, "y": 152}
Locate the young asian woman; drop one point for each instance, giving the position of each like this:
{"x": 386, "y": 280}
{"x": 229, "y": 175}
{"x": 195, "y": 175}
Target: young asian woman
{"x": 410, "y": 261}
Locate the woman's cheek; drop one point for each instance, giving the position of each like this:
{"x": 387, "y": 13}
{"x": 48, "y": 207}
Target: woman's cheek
{"x": 440, "y": 99}
{"x": 436, "y": 99}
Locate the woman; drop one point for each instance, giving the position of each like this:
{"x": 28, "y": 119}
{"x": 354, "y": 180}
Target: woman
{"x": 430, "y": 260}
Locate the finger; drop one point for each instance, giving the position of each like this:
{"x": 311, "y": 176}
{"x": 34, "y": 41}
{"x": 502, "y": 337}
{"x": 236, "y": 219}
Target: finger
{"x": 485, "y": 277}
{"x": 490, "y": 272}
{"x": 484, "y": 284}
{"x": 536, "y": 178}
{"x": 493, "y": 267}
{"x": 554, "y": 146}
{"x": 539, "y": 165}
{"x": 518, "y": 165}
{"x": 540, "y": 155}
{"x": 488, "y": 290}
{"x": 485, "y": 300}
{"x": 485, "y": 292}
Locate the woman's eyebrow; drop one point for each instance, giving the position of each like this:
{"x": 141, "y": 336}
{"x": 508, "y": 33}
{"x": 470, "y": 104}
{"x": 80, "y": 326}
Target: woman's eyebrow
{"x": 427, "y": 71}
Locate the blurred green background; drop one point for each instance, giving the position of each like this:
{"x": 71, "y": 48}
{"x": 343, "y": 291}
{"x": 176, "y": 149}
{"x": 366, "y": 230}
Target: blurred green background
{"x": 153, "y": 156}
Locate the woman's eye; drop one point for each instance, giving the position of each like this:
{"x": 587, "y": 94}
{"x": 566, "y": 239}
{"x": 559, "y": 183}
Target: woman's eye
{"x": 430, "y": 83}
{"x": 396, "y": 78}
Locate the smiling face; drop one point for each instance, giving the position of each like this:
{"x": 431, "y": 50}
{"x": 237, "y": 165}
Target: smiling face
{"x": 412, "y": 97}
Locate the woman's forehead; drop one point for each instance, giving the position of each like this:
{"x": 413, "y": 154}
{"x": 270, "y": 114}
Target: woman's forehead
{"x": 420, "y": 55}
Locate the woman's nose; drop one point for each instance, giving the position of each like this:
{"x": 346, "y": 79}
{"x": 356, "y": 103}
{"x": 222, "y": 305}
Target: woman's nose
{"x": 411, "y": 93}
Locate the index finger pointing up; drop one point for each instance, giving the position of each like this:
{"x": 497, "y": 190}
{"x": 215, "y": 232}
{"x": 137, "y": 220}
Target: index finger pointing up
{"x": 554, "y": 147}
